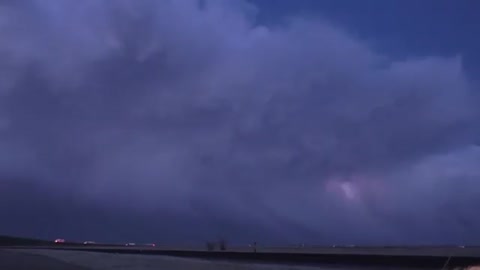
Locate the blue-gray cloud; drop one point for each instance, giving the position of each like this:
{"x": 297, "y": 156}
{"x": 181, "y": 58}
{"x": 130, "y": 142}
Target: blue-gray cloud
{"x": 195, "y": 108}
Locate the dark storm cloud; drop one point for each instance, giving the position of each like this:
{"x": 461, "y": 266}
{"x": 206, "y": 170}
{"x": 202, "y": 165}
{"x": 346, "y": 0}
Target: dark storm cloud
{"x": 177, "y": 105}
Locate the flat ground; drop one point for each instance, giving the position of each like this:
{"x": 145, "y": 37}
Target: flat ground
{"x": 81, "y": 260}
{"x": 413, "y": 251}
{"x": 13, "y": 260}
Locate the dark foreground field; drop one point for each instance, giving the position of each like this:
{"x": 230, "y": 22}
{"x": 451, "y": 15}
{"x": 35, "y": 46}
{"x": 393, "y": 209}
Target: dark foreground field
{"x": 11, "y": 260}
{"x": 391, "y": 257}
{"x": 80, "y": 260}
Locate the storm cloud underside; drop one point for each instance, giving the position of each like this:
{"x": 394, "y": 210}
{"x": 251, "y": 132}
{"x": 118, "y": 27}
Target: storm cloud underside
{"x": 196, "y": 109}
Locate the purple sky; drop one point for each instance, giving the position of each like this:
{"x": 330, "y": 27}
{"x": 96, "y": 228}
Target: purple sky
{"x": 145, "y": 117}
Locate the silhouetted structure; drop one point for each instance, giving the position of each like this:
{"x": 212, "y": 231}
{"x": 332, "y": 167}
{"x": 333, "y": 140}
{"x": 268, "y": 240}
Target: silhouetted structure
{"x": 222, "y": 244}
{"x": 210, "y": 246}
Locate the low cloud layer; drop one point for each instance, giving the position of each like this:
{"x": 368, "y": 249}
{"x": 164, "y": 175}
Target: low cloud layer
{"x": 194, "y": 108}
